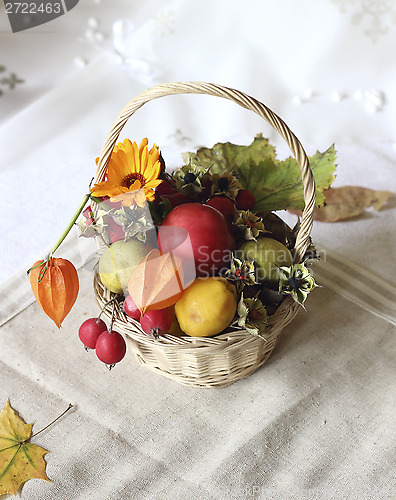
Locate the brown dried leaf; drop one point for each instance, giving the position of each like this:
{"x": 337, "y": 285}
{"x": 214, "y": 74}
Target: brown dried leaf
{"x": 346, "y": 202}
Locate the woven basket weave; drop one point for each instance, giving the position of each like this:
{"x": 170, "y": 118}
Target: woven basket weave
{"x": 221, "y": 360}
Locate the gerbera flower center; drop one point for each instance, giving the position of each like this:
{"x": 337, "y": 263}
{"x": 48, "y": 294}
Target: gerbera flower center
{"x": 129, "y": 179}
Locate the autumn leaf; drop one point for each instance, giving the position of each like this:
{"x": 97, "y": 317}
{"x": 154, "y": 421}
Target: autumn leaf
{"x": 345, "y": 202}
{"x": 276, "y": 185}
{"x": 157, "y": 281}
{"x": 287, "y": 187}
{"x": 224, "y": 157}
{"x": 19, "y": 459}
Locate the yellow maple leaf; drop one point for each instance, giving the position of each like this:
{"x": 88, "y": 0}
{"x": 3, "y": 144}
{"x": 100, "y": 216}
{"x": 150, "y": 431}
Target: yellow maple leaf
{"x": 19, "y": 459}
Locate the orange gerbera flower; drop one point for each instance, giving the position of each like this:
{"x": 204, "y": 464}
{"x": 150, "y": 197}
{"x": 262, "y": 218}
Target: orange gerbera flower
{"x": 132, "y": 174}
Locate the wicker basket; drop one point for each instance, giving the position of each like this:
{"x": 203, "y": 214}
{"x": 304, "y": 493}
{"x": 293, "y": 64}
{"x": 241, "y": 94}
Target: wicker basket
{"x": 221, "y": 360}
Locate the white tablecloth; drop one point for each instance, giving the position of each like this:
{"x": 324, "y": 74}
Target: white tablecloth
{"x": 317, "y": 421}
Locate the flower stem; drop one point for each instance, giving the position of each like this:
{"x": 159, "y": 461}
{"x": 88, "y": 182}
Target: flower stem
{"x": 71, "y": 224}
{"x": 105, "y": 305}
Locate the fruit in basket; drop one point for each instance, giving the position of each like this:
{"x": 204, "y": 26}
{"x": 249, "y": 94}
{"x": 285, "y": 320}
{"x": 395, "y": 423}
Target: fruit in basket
{"x": 174, "y": 329}
{"x": 116, "y": 232}
{"x": 90, "y": 330}
{"x": 268, "y": 254}
{"x": 277, "y": 228}
{"x": 176, "y": 199}
{"x": 131, "y": 309}
{"x": 167, "y": 187}
{"x": 245, "y": 200}
{"x": 157, "y": 282}
{"x": 167, "y": 191}
{"x": 206, "y": 307}
{"x": 156, "y": 322}
{"x": 223, "y": 204}
{"x": 118, "y": 262}
{"x": 198, "y": 231}
{"x": 110, "y": 347}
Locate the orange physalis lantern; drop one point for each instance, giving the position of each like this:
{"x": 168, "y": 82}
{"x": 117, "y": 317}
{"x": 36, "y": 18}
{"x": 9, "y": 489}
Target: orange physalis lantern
{"x": 157, "y": 281}
{"x": 55, "y": 288}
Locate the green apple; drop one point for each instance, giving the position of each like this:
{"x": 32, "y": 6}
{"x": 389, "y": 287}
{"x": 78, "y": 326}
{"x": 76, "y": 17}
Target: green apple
{"x": 118, "y": 262}
{"x": 268, "y": 254}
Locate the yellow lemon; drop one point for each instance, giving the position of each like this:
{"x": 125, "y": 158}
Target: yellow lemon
{"x": 206, "y": 307}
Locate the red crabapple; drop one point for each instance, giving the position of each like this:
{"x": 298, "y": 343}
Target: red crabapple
{"x": 90, "y": 330}
{"x": 131, "y": 309}
{"x": 223, "y": 204}
{"x": 156, "y": 322}
{"x": 245, "y": 200}
{"x": 110, "y": 347}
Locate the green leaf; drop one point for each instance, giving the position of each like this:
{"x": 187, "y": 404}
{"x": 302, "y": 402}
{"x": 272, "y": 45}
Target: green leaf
{"x": 276, "y": 185}
{"x": 323, "y": 167}
{"x": 226, "y": 157}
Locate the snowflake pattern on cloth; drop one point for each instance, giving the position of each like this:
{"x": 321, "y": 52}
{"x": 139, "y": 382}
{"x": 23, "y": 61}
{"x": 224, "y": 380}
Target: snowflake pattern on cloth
{"x": 379, "y": 15}
{"x": 164, "y": 23}
{"x": 10, "y": 80}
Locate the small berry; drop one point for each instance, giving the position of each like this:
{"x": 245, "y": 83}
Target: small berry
{"x": 116, "y": 231}
{"x": 245, "y": 200}
{"x": 131, "y": 308}
{"x": 110, "y": 347}
{"x": 90, "y": 330}
{"x": 166, "y": 187}
{"x": 176, "y": 199}
{"x": 156, "y": 322}
{"x": 87, "y": 213}
{"x": 223, "y": 204}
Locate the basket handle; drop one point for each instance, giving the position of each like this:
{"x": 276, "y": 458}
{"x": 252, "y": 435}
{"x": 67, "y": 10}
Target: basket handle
{"x": 166, "y": 89}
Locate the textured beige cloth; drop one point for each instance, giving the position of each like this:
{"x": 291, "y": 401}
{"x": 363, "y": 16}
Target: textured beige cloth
{"x": 315, "y": 422}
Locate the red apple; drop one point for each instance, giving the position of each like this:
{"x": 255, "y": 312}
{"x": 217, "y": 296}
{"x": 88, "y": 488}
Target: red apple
{"x": 200, "y": 232}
